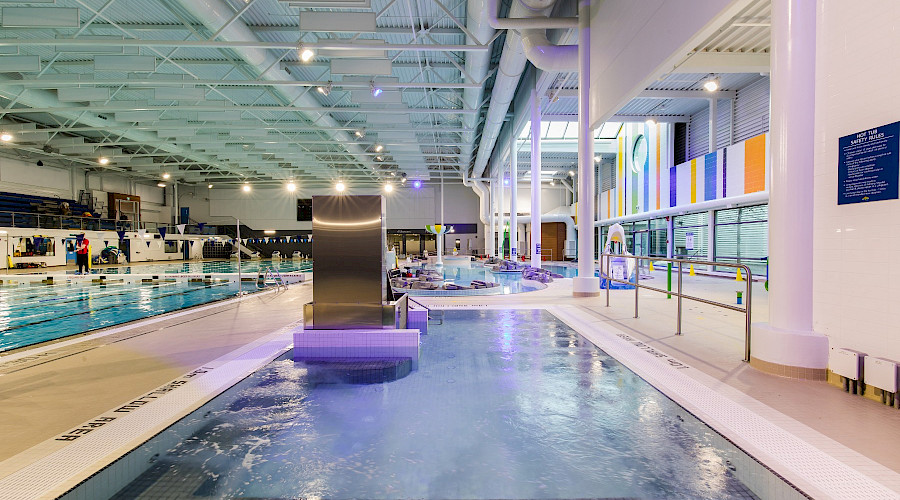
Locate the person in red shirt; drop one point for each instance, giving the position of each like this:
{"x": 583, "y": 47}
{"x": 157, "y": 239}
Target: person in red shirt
{"x": 81, "y": 254}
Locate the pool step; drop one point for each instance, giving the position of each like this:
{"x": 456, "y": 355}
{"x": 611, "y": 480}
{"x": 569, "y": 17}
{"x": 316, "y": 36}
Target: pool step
{"x": 356, "y": 370}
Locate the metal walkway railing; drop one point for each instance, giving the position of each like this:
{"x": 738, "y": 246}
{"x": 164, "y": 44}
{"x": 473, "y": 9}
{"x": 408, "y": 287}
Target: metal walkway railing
{"x": 604, "y": 272}
{"x": 266, "y": 275}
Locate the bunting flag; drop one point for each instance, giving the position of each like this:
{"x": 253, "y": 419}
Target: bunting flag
{"x": 180, "y": 228}
{"x": 141, "y": 233}
{"x": 246, "y": 240}
{"x": 266, "y": 239}
{"x": 148, "y": 243}
{"x": 105, "y": 243}
{"x": 162, "y": 232}
{"x": 192, "y": 243}
{"x": 121, "y": 235}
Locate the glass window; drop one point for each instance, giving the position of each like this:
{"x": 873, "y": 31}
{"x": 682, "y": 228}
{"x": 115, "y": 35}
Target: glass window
{"x": 171, "y": 246}
{"x": 692, "y": 236}
{"x": 742, "y": 237}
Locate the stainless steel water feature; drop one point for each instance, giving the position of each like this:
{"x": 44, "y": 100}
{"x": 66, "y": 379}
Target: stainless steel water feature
{"x": 348, "y": 264}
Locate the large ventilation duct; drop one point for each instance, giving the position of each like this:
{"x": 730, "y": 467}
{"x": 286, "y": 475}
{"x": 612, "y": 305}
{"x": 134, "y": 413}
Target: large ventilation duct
{"x": 551, "y": 217}
{"x": 512, "y": 64}
{"x": 547, "y": 56}
{"x": 214, "y": 14}
{"x": 477, "y": 65}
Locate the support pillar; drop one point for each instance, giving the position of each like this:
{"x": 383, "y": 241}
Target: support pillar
{"x": 535, "y": 178}
{"x": 585, "y": 284}
{"x": 713, "y": 124}
{"x": 513, "y": 194}
{"x": 711, "y": 238}
{"x": 489, "y": 240}
{"x": 500, "y": 212}
{"x": 787, "y": 344}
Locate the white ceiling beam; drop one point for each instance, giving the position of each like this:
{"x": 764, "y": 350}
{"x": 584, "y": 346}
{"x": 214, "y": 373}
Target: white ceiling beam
{"x": 204, "y": 108}
{"x": 686, "y": 94}
{"x": 246, "y": 44}
{"x": 52, "y": 82}
{"x": 725, "y": 62}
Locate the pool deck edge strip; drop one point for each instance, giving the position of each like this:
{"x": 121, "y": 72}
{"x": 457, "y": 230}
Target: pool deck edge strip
{"x": 50, "y": 469}
{"x": 818, "y": 465}
{"x": 26, "y": 352}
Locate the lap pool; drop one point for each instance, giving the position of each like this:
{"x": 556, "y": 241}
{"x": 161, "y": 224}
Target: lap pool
{"x": 505, "y": 404}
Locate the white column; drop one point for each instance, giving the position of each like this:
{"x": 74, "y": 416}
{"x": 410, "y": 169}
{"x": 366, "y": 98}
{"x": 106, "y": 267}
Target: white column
{"x": 711, "y": 238}
{"x": 489, "y": 240}
{"x": 585, "y": 284}
{"x": 713, "y": 123}
{"x": 788, "y": 339}
{"x": 513, "y": 194}
{"x": 535, "y": 178}
{"x": 439, "y": 263}
{"x": 500, "y": 189}
{"x": 670, "y": 237}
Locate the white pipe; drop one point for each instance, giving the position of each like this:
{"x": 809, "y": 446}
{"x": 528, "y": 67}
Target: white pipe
{"x": 713, "y": 123}
{"x": 515, "y": 21}
{"x": 500, "y": 212}
{"x": 702, "y": 206}
{"x": 477, "y": 66}
{"x": 509, "y": 71}
{"x": 535, "y": 178}
{"x": 513, "y": 196}
{"x": 547, "y": 56}
{"x": 215, "y": 13}
{"x": 585, "y": 284}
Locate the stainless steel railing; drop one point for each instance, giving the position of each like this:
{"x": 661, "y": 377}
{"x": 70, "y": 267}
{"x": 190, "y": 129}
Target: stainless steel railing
{"x": 748, "y": 276}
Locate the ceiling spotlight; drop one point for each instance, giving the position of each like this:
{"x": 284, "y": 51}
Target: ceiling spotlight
{"x": 711, "y": 84}
{"x": 378, "y": 148}
{"x": 417, "y": 184}
{"x": 376, "y": 91}
{"x": 291, "y": 187}
{"x": 209, "y": 186}
{"x": 597, "y": 159}
{"x": 161, "y": 184}
{"x": 103, "y": 161}
{"x": 360, "y": 133}
{"x": 324, "y": 90}
{"x": 166, "y": 175}
{"x": 306, "y": 53}
{"x": 393, "y": 174}
{"x": 552, "y": 182}
{"x": 388, "y": 188}
{"x": 650, "y": 121}
{"x": 379, "y": 158}
{"x": 5, "y": 137}
{"x": 339, "y": 187}
{"x": 246, "y": 188}
{"x": 571, "y": 173}
{"x": 403, "y": 180}
{"x": 506, "y": 181}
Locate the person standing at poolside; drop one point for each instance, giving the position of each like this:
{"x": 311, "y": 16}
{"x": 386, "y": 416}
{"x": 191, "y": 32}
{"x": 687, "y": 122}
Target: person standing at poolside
{"x": 81, "y": 253}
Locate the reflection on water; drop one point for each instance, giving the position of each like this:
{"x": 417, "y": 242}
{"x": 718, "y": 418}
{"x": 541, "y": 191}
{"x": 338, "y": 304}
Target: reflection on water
{"x": 505, "y": 404}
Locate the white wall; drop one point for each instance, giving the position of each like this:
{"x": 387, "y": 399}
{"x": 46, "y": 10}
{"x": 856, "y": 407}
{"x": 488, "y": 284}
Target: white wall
{"x": 26, "y": 177}
{"x": 625, "y": 60}
{"x": 855, "y": 247}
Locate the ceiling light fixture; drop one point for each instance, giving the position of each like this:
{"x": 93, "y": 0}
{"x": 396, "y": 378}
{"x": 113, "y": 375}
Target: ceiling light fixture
{"x": 711, "y": 84}
{"x": 417, "y": 184}
{"x": 376, "y": 91}
{"x": 209, "y": 186}
{"x": 166, "y": 175}
{"x": 291, "y": 187}
{"x": 571, "y": 173}
{"x": 650, "y": 121}
{"x": 378, "y": 148}
{"x": 306, "y": 53}
{"x": 246, "y": 188}
{"x": 360, "y": 133}
{"x": 552, "y": 182}
{"x": 379, "y": 158}
{"x": 103, "y": 161}
{"x": 5, "y": 137}
{"x": 388, "y": 188}
{"x": 325, "y": 90}
{"x": 161, "y": 184}
{"x": 339, "y": 187}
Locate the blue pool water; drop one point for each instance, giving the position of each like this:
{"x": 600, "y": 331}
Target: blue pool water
{"x": 510, "y": 283}
{"x": 30, "y": 314}
{"x": 505, "y": 404}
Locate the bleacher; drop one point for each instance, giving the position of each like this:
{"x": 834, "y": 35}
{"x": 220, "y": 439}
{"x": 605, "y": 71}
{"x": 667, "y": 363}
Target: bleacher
{"x": 39, "y": 211}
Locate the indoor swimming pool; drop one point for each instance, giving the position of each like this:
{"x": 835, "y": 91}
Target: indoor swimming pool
{"x": 30, "y": 314}
{"x": 505, "y": 404}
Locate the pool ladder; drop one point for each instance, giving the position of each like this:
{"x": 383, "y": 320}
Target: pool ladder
{"x": 268, "y": 275}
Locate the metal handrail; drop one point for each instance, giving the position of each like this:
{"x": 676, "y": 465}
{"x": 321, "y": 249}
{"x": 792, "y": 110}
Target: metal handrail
{"x": 38, "y": 220}
{"x": 265, "y": 273}
{"x": 637, "y": 286}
